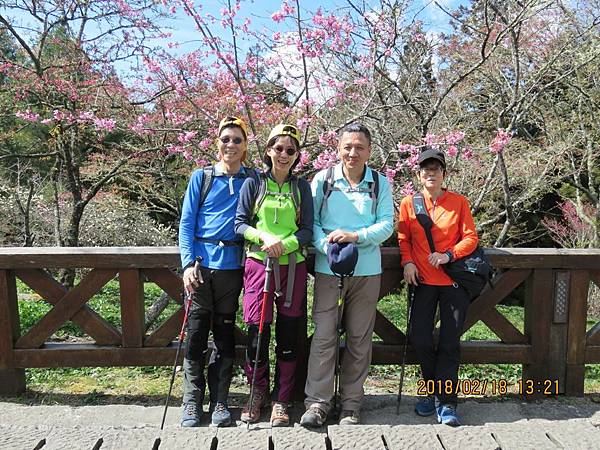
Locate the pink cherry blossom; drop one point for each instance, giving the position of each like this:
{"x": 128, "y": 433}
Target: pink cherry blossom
{"x": 500, "y": 141}
{"x": 325, "y": 159}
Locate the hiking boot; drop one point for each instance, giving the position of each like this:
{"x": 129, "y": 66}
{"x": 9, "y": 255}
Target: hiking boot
{"x": 425, "y": 406}
{"x": 447, "y": 415}
{"x": 349, "y": 417}
{"x": 221, "y": 417}
{"x": 313, "y": 417}
{"x": 279, "y": 415}
{"x": 190, "y": 415}
{"x": 259, "y": 399}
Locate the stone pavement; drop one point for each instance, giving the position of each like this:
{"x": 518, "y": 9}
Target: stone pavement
{"x": 506, "y": 424}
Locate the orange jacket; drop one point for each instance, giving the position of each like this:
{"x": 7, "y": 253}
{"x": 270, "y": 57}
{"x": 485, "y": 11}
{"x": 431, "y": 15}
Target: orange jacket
{"x": 453, "y": 229}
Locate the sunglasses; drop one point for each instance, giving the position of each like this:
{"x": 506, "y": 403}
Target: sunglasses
{"x": 235, "y": 140}
{"x": 289, "y": 151}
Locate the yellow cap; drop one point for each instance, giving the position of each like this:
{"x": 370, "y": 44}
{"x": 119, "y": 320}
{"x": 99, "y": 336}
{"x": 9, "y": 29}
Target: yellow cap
{"x": 285, "y": 130}
{"x": 235, "y": 121}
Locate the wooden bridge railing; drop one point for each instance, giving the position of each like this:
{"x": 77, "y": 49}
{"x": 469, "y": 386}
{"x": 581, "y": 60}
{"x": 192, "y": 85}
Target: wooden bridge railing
{"x": 555, "y": 344}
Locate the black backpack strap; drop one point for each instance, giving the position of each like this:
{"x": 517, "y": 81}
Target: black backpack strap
{"x": 374, "y": 191}
{"x": 295, "y": 195}
{"x": 261, "y": 193}
{"x": 327, "y": 187}
{"x": 251, "y": 173}
{"x": 207, "y": 181}
{"x": 423, "y": 218}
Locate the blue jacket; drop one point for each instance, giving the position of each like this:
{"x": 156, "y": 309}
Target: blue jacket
{"x": 200, "y": 229}
{"x": 349, "y": 210}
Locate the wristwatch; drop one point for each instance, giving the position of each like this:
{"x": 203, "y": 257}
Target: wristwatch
{"x": 450, "y": 255}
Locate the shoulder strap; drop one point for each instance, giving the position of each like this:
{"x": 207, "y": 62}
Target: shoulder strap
{"x": 261, "y": 193}
{"x": 374, "y": 188}
{"x": 207, "y": 181}
{"x": 295, "y": 195}
{"x": 423, "y": 218}
{"x": 251, "y": 173}
{"x": 327, "y": 187}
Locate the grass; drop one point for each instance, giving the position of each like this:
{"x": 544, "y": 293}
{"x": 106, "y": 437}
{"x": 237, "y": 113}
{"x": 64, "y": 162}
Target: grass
{"x": 149, "y": 385}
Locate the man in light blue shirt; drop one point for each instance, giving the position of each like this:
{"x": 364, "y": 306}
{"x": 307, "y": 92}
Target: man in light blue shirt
{"x": 352, "y": 203}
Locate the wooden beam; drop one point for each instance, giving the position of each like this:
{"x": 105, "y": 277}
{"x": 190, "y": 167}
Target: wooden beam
{"x": 157, "y": 257}
{"x": 592, "y": 354}
{"x": 576, "y": 332}
{"x": 539, "y": 303}
{"x": 503, "y": 328}
{"x": 387, "y": 331}
{"x": 166, "y": 331}
{"x": 89, "y": 355}
{"x": 503, "y": 286}
{"x": 168, "y": 281}
{"x": 12, "y": 379}
{"x": 91, "y": 257}
{"x": 390, "y": 282}
{"x": 90, "y": 322}
{"x": 66, "y": 308}
{"x": 472, "y": 352}
{"x": 132, "y": 307}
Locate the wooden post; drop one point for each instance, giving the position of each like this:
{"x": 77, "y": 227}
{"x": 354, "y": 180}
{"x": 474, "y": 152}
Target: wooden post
{"x": 12, "y": 380}
{"x": 557, "y": 363}
{"x": 538, "y": 320}
{"x": 132, "y": 307}
{"x": 576, "y": 334}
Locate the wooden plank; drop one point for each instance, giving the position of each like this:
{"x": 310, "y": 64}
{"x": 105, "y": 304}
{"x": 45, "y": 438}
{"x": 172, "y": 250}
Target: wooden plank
{"x": 390, "y": 282}
{"x": 9, "y": 311}
{"x": 544, "y": 258}
{"x": 66, "y": 308}
{"x": 503, "y": 328}
{"x": 475, "y": 352}
{"x": 92, "y": 257}
{"x": 538, "y": 318}
{"x": 156, "y": 257}
{"x": 167, "y": 331}
{"x": 576, "y": 332}
{"x": 168, "y": 281}
{"x": 132, "y": 307}
{"x": 83, "y": 355}
{"x": 91, "y": 323}
{"x": 593, "y": 336}
{"x": 592, "y": 354}
{"x": 503, "y": 285}
{"x": 387, "y": 331}
{"x": 12, "y": 380}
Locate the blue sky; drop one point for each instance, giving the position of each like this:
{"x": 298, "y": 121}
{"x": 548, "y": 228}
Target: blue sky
{"x": 260, "y": 11}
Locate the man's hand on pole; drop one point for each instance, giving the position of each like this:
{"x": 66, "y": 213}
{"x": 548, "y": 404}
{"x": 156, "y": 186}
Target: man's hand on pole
{"x": 192, "y": 278}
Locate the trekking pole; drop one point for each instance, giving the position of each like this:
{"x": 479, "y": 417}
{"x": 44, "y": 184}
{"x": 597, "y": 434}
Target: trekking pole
{"x": 261, "y": 322}
{"x": 411, "y": 298}
{"x": 187, "y": 303}
{"x": 338, "y": 334}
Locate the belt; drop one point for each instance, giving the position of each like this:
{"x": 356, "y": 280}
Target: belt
{"x": 291, "y": 276}
{"x": 220, "y": 243}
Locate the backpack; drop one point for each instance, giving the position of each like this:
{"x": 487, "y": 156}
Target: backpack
{"x": 328, "y": 188}
{"x": 471, "y": 272}
{"x": 262, "y": 193}
{"x": 208, "y": 178}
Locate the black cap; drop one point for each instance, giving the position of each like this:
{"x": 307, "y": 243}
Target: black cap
{"x": 430, "y": 153}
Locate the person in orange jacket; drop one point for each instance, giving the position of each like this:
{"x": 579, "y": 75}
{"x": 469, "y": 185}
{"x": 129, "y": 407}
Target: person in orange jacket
{"x": 454, "y": 237}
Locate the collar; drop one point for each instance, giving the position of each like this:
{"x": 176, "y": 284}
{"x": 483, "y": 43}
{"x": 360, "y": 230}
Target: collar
{"x": 338, "y": 174}
{"x": 428, "y": 196}
{"x": 220, "y": 170}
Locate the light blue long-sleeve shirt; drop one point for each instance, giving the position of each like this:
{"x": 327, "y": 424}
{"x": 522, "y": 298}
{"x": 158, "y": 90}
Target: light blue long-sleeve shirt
{"x": 351, "y": 210}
